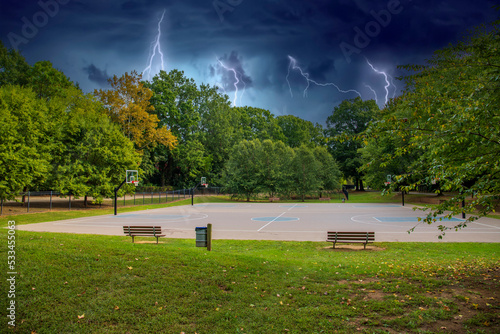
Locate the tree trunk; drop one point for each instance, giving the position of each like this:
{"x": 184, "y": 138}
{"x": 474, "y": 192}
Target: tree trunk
{"x": 361, "y": 186}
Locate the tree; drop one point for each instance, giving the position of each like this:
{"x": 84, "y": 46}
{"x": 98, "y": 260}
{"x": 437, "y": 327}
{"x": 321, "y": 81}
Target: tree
{"x": 306, "y": 171}
{"x": 449, "y": 113}
{"x": 217, "y": 128}
{"x": 241, "y": 171}
{"x": 256, "y": 123}
{"x": 329, "y": 173}
{"x": 298, "y": 131}
{"x": 348, "y": 120}
{"x": 14, "y": 70}
{"x": 48, "y": 82}
{"x": 173, "y": 99}
{"x": 378, "y": 156}
{"x": 273, "y": 161}
{"x": 128, "y": 104}
{"x": 95, "y": 153}
{"x": 25, "y": 140}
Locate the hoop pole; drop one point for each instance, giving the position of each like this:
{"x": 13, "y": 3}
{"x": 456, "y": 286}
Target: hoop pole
{"x": 116, "y": 193}
{"x": 192, "y": 193}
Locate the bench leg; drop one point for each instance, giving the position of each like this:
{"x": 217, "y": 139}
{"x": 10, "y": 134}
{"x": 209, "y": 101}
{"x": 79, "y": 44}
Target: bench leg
{"x": 132, "y": 239}
{"x": 157, "y": 240}
{"x": 334, "y": 245}
{"x": 365, "y": 246}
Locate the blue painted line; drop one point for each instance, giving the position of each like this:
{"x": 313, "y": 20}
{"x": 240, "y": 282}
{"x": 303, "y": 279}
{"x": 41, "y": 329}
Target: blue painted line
{"x": 413, "y": 219}
{"x": 293, "y": 206}
{"x": 275, "y": 219}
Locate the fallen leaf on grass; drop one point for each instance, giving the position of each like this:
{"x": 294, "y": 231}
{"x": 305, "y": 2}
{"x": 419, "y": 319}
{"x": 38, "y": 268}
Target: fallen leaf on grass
{"x": 117, "y": 308}
{"x": 130, "y": 268}
{"x": 81, "y": 316}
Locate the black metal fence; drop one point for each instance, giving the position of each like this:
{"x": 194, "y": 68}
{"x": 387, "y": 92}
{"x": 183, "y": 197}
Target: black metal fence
{"x": 39, "y": 201}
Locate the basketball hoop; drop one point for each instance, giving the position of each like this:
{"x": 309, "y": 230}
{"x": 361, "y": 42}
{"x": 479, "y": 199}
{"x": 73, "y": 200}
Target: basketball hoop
{"x": 135, "y": 183}
{"x": 387, "y": 183}
{"x": 205, "y": 185}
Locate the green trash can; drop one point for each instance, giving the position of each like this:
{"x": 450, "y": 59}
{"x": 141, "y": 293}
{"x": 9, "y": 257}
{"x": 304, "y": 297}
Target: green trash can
{"x": 201, "y": 236}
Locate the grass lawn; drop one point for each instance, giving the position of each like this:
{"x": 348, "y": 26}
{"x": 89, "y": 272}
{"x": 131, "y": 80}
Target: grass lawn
{"x": 104, "y": 284}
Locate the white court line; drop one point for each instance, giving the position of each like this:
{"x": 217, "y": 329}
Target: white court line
{"x": 292, "y": 207}
{"x": 271, "y": 221}
{"x": 78, "y": 223}
{"x": 492, "y": 226}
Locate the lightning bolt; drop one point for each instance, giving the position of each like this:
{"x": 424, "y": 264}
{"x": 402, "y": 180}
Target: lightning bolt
{"x": 386, "y": 76}
{"x": 373, "y": 91}
{"x": 237, "y": 81}
{"x": 154, "y": 47}
{"x": 395, "y": 87}
{"x": 293, "y": 66}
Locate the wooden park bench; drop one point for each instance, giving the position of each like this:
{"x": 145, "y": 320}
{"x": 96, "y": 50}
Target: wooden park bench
{"x": 350, "y": 237}
{"x": 324, "y": 198}
{"x": 274, "y": 199}
{"x": 143, "y": 231}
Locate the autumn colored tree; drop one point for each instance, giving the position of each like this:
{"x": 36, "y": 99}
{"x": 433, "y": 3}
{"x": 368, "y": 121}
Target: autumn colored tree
{"x": 128, "y": 104}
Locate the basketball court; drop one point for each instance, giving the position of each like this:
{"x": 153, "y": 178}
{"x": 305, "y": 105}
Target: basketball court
{"x": 274, "y": 221}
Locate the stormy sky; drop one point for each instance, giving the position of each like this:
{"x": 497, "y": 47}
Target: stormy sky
{"x": 288, "y": 56}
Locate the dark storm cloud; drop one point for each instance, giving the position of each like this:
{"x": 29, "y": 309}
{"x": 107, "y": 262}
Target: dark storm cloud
{"x": 97, "y": 75}
{"x": 231, "y": 71}
{"x": 253, "y": 37}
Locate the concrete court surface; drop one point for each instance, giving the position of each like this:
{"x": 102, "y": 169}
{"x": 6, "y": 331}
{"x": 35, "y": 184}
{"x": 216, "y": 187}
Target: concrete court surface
{"x": 281, "y": 221}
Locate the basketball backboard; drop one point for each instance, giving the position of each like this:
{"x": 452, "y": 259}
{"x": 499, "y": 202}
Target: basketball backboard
{"x": 132, "y": 176}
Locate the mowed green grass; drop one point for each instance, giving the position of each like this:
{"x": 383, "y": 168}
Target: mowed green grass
{"x": 101, "y": 284}
{"x": 104, "y": 284}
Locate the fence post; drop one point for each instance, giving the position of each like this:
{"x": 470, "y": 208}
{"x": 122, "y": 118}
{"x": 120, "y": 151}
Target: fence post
{"x": 28, "y": 201}
{"x": 70, "y": 202}
{"x": 134, "y": 197}
{"x": 124, "y": 195}
{"x": 50, "y": 205}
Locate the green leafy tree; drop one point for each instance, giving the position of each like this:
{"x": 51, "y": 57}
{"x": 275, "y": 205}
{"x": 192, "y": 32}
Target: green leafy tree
{"x": 48, "y": 82}
{"x": 273, "y": 161}
{"x": 174, "y": 99}
{"x": 25, "y": 141}
{"x": 95, "y": 152}
{"x": 306, "y": 171}
{"x": 348, "y": 121}
{"x": 217, "y": 128}
{"x": 298, "y": 131}
{"x": 378, "y": 152}
{"x": 241, "y": 171}
{"x": 449, "y": 113}
{"x": 256, "y": 123}
{"x": 329, "y": 172}
{"x": 14, "y": 70}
